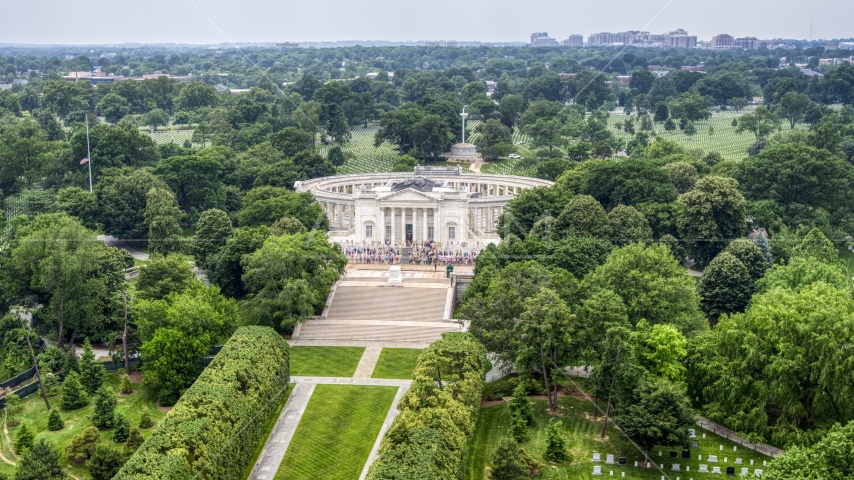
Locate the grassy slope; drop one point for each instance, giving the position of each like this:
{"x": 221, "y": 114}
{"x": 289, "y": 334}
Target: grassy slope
{"x": 396, "y": 363}
{"x": 35, "y": 415}
{"x": 336, "y": 433}
{"x": 583, "y": 435}
{"x": 325, "y": 361}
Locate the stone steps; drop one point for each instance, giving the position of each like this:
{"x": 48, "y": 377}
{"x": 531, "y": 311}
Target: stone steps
{"x": 314, "y": 330}
{"x": 388, "y": 304}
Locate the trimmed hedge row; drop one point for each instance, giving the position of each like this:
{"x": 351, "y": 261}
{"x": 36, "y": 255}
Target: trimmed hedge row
{"x": 430, "y": 437}
{"x": 215, "y": 427}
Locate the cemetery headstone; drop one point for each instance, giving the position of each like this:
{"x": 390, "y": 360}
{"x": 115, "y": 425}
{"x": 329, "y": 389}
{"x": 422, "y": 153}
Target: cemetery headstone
{"x": 704, "y": 468}
{"x": 738, "y": 461}
{"x": 730, "y": 471}
{"x": 744, "y": 470}
{"x": 609, "y": 459}
{"x": 735, "y": 448}
{"x": 597, "y": 470}
{"x": 758, "y": 472}
{"x": 623, "y": 475}
{"x": 764, "y": 463}
{"x": 622, "y": 460}
{"x": 597, "y": 457}
{"x": 716, "y": 470}
{"x": 686, "y": 453}
{"x": 675, "y": 468}
{"x": 722, "y": 447}
{"x": 713, "y": 458}
{"x": 695, "y": 444}
{"x": 692, "y": 433}
{"x": 704, "y": 435}
{"x": 726, "y": 460}
{"x": 674, "y": 454}
{"x": 636, "y": 463}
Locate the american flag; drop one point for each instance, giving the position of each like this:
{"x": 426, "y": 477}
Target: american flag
{"x": 85, "y": 160}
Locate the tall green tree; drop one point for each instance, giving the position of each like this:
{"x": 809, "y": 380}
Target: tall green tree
{"x": 161, "y": 216}
{"x": 91, "y": 370}
{"x": 212, "y": 231}
{"x": 713, "y": 213}
{"x": 290, "y": 277}
{"x": 661, "y": 415}
{"x": 40, "y": 463}
{"x": 545, "y": 343}
{"x": 193, "y": 178}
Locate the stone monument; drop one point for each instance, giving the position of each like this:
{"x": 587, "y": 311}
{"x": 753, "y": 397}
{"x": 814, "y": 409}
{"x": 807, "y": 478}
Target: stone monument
{"x": 395, "y": 279}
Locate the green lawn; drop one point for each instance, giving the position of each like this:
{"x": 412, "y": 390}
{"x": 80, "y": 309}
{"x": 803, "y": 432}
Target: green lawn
{"x": 269, "y": 428}
{"x": 35, "y": 416}
{"x": 583, "y": 436}
{"x": 396, "y": 363}
{"x": 325, "y": 361}
{"x": 336, "y": 432}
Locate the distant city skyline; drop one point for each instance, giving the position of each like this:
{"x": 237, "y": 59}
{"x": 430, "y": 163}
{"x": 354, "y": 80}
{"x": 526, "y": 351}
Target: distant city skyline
{"x": 221, "y": 21}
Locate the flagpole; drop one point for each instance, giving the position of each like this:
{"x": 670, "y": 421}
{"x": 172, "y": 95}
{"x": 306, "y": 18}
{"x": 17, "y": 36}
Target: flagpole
{"x": 88, "y": 153}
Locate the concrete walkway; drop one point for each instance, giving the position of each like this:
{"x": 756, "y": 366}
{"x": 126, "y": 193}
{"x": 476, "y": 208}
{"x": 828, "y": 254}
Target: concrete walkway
{"x": 277, "y": 443}
{"x": 730, "y": 435}
{"x": 368, "y": 361}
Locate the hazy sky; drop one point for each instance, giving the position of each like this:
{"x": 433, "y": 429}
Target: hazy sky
{"x": 216, "y": 21}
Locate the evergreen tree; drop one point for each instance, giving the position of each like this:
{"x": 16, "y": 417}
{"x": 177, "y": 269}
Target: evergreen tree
{"x": 125, "y": 386}
{"x": 82, "y": 446}
{"x": 71, "y": 362}
{"x": 105, "y": 462}
{"x": 690, "y": 129}
{"x": 764, "y": 245}
{"x": 555, "y": 442}
{"x": 669, "y": 125}
{"x": 145, "y": 421}
{"x": 121, "y": 430}
{"x": 105, "y": 404}
{"x": 24, "y": 439}
{"x": 507, "y": 461}
{"x": 91, "y": 370}
{"x": 54, "y": 421}
{"x": 73, "y": 395}
{"x": 134, "y": 440}
{"x": 520, "y": 413}
{"x": 40, "y": 463}
{"x": 161, "y": 216}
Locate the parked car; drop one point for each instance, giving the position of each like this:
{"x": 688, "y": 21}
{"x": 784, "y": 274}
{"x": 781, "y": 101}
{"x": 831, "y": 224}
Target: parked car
{"x": 514, "y": 155}
{"x": 520, "y": 143}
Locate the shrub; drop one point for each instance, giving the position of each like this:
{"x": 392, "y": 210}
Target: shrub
{"x": 555, "y": 442}
{"x": 82, "y": 446}
{"x": 429, "y": 439}
{"x": 14, "y": 407}
{"x": 134, "y": 441}
{"x": 520, "y": 406}
{"x": 121, "y": 429}
{"x": 500, "y": 388}
{"x": 221, "y": 418}
{"x": 71, "y": 362}
{"x": 73, "y": 396}
{"x": 51, "y": 359}
{"x": 145, "y": 421}
{"x": 507, "y": 461}
{"x": 52, "y": 387}
{"x": 105, "y": 462}
{"x": 105, "y": 405}
{"x": 24, "y": 439}
{"x": 54, "y": 421}
{"x": 125, "y": 386}
{"x": 40, "y": 463}
{"x": 91, "y": 370}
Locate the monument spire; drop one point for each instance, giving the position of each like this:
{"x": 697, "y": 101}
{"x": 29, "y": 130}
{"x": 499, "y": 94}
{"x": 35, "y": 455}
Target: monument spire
{"x": 464, "y": 115}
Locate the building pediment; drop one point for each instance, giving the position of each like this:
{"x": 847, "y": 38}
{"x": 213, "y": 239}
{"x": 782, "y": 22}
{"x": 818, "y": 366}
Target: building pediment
{"x": 409, "y": 195}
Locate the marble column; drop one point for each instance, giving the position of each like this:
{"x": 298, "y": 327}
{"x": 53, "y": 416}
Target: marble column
{"x": 393, "y": 212}
{"x": 424, "y": 225}
{"x": 381, "y": 234}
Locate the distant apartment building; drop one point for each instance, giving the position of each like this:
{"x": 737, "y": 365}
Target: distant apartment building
{"x": 284, "y": 45}
{"x": 675, "y": 39}
{"x": 746, "y": 43}
{"x": 542, "y": 39}
{"x": 439, "y": 43}
{"x": 536, "y": 35}
{"x": 680, "y": 39}
{"x": 722, "y": 40}
{"x": 693, "y": 68}
{"x": 573, "y": 41}
{"x": 490, "y": 87}
{"x": 835, "y": 61}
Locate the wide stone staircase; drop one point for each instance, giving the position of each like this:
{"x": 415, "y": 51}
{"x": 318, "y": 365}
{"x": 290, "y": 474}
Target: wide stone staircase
{"x": 366, "y": 309}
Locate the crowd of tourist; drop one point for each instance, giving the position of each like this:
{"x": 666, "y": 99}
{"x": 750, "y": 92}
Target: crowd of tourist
{"x": 424, "y": 253}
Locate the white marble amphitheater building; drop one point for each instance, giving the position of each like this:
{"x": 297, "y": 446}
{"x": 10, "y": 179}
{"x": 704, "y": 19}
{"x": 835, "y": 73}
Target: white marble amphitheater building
{"x": 440, "y": 204}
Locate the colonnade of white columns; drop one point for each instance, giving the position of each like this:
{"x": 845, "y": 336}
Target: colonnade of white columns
{"x": 393, "y": 217}
{"x": 341, "y": 215}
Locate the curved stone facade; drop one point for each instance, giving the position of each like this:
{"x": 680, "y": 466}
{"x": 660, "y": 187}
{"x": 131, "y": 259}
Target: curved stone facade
{"x": 441, "y": 204}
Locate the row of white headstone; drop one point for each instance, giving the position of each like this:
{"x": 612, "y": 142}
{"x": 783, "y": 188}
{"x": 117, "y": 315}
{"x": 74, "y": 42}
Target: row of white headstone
{"x": 597, "y": 470}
